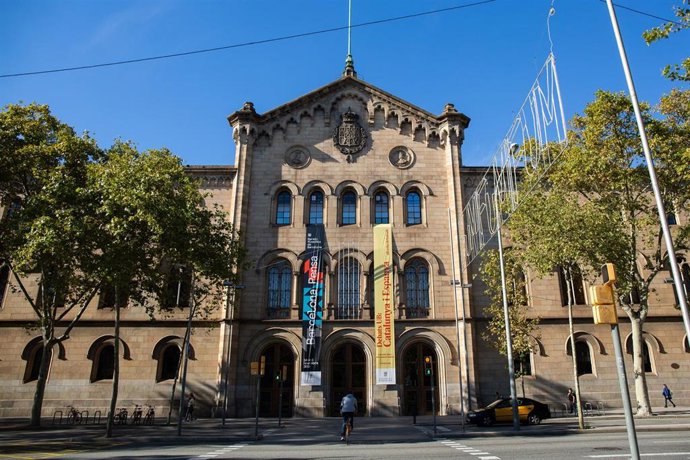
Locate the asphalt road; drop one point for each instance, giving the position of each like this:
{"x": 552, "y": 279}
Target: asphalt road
{"x": 380, "y": 438}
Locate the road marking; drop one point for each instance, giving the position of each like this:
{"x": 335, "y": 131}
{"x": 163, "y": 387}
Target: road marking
{"x": 660, "y": 454}
{"x": 467, "y": 449}
{"x": 220, "y": 451}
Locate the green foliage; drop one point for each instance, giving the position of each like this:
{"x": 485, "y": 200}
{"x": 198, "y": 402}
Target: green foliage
{"x": 680, "y": 72}
{"x": 523, "y": 327}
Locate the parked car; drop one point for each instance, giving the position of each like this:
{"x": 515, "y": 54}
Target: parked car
{"x": 501, "y": 411}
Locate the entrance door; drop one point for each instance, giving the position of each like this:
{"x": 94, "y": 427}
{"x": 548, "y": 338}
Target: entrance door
{"x": 417, "y": 386}
{"x": 277, "y": 356}
{"x": 348, "y": 373}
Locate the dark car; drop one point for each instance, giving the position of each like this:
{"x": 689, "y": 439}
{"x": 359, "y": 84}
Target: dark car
{"x": 501, "y": 411}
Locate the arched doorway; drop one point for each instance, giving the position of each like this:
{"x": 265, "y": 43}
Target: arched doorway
{"x": 416, "y": 385}
{"x": 348, "y": 373}
{"x": 276, "y": 357}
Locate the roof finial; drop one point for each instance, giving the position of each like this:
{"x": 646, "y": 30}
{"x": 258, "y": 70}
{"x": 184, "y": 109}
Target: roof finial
{"x": 349, "y": 62}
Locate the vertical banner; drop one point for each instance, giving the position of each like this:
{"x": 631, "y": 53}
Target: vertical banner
{"x": 313, "y": 273}
{"x": 383, "y": 304}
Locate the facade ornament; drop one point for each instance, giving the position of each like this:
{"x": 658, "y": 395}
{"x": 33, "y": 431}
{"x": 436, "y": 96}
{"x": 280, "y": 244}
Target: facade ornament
{"x": 349, "y": 137}
{"x": 297, "y": 157}
{"x": 401, "y": 157}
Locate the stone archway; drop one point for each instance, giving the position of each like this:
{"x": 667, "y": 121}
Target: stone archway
{"x": 276, "y": 384}
{"x": 348, "y": 372}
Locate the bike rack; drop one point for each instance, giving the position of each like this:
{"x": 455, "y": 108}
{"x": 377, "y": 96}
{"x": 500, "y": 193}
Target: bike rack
{"x": 94, "y": 417}
{"x": 55, "y": 415}
{"x": 84, "y": 419}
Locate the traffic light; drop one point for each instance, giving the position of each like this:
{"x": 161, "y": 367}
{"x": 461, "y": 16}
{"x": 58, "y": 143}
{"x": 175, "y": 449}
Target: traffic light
{"x": 427, "y": 366}
{"x": 603, "y": 303}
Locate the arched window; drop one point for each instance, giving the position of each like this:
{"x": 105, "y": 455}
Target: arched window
{"x": 178, "y": 288}
{"x": 522, "y": 363}
{"x": 104, "y": 363}
{"x": 349, "y": 299}
{"x": 414, "y": 208}
{"x": 578, "y": 293}
{"x": 381, "y": 208}
{"x": 33, "y": 364}
{"x": 584, "y": 358}
{"x": 316, "y": 208}
{"x": 348, "y": 214}
{"x": 646, "y": 358}
{"x": 279, "y": 289}
{"x": 4, "y": 281}
{"x": 169, "y": 363}
{"x": 284, "y": 208}
{"x": 417, "y": 289}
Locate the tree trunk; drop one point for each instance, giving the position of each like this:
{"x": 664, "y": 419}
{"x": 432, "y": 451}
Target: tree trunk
{"x": 41, "y": 382}
{"x": 576, "y": 377}
{"x": 644, "y": 406}
{"x": 116, "y": 372}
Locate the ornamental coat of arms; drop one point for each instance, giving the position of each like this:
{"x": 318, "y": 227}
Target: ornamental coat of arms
{"x": 349, "y": 137}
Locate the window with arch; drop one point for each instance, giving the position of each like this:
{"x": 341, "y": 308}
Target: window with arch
{"x": 33, "y": 363}
{"x": 583, "y": 356}
{"x": 316, "y": 207}
{"x": 417, "y": 289}
{"x": 4, "y": 281}
{"x": 178, "y": 288}
{"x": 349, "y": 299}
{"x": 104, "y": 363}
{"x": 284, "y": 208}
{"x": 348, "y": 210}
{"x": 578, "y": 289}
{"x": 381, "y": 208}
{"x": 413, "y": 201}
{"x": 169, "y": 363}
{"x": 647, "y": 358}
{"x": 522, "y": 363}
{"x": 279, "y": 289}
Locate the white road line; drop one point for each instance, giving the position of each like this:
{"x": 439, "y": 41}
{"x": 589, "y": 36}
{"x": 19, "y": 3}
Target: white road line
{"x": 479, "y": 453}
{"x": 660, "y": 454}
{"x": 492, "y": 457}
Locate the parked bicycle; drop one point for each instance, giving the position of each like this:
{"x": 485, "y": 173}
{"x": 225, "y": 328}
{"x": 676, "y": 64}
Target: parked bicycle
{"x": 150, "y": 416}
{"x": 73, "y": 415}
{"x": 136, "y": 414}
{"x": 120, "y": 416}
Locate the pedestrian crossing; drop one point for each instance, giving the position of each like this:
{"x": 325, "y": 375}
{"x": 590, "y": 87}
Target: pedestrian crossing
{"x": 476, "y": 453}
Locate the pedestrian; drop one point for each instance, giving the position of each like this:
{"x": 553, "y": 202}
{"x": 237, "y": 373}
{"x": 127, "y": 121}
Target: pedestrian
{"x": 571, "y": 400}
{"x": 189, "y": 415}
{"x": 668, "y": 396}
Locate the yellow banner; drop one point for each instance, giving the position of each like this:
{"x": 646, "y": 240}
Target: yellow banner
{"x": 383, "y": 304}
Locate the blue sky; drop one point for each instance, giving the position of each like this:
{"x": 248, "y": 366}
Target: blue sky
{"x": 482, "y": 58}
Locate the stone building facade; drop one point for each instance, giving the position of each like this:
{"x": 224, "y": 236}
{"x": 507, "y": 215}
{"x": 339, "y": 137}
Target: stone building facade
{"x": 347, "y": 156}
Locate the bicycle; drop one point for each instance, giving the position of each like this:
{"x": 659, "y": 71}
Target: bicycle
{"x": 136, "y": 414}
{"x": 73, "y": 415}
{"x": 120, "y": 416}
{"x": 150, "y": 416}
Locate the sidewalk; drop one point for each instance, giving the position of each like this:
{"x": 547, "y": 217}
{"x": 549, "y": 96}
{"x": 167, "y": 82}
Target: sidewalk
{"x": 17, "y": 431}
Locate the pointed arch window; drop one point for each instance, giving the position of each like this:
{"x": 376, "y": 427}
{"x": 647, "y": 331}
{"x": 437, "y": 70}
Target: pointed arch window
{"x": 414, "y": 208}
{"x": 349, "y": 208}
{"x": 279, "y": 289}
{"x": 349, "y": 299}
{"x": 33, "y": 363}
{"x": 316, "y": 208}
{"x": 417, "y": 289}
{"x": 284, "y": 208}
{"x": 381, "y": 208}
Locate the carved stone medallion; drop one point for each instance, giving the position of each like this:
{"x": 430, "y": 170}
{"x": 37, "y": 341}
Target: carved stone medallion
{"x": 349, "y": 137}
{"x": 401, "y": 157}
{"x": 297, "y": 157}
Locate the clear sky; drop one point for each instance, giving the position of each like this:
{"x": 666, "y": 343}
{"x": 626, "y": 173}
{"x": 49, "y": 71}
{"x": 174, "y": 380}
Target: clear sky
{"x": 482, "y": 58}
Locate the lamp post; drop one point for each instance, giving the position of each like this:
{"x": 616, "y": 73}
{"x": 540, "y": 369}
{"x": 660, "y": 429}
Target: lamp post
{"x": 230, "y": 317}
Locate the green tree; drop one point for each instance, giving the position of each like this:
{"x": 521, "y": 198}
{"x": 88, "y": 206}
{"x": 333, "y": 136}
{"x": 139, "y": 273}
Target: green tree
{"x": 45, "y": 231}
{"x": 595, "y": 204}
{"x": 151, "y": 215}
{"x": 680, "y": 72}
